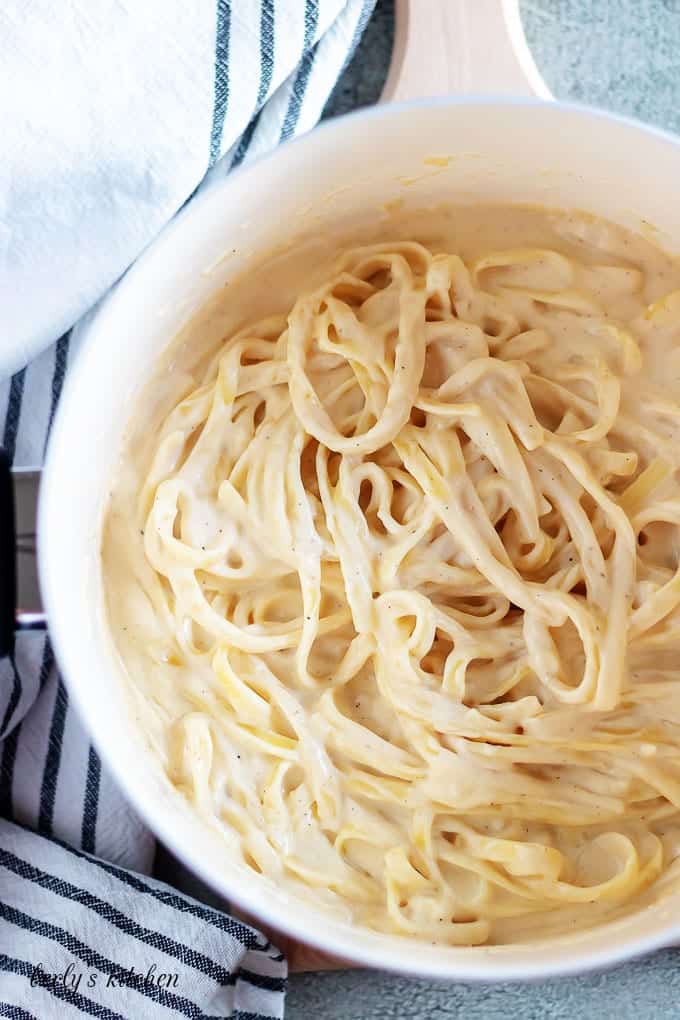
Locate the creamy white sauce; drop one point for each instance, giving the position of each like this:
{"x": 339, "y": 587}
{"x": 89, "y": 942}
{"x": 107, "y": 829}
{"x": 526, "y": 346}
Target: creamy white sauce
{"x": 391, "y": 562}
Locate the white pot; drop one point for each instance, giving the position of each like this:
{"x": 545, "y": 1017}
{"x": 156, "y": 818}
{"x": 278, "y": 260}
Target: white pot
{"x": 504, "y": 150}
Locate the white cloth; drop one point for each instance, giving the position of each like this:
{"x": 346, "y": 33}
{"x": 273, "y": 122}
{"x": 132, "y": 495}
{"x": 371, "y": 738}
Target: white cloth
{"x": 113, "y": 112}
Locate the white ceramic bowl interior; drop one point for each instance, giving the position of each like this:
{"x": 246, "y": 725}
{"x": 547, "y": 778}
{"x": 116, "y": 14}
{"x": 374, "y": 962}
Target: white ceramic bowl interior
{"x": 503, "y": 151}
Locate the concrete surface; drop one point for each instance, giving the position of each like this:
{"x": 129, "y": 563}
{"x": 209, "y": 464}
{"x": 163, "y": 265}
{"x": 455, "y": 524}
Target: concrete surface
{"x": 623, "y": 55}
{"x": 647, "y": 990}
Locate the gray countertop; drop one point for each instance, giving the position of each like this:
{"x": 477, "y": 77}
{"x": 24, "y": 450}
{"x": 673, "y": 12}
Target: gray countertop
{"x": 647, "y": 990}
{"x": 623, "y": 55}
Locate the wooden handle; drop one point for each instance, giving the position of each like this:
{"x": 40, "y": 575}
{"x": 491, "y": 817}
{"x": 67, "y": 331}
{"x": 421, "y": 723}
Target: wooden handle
{"x": 459, "y": 47}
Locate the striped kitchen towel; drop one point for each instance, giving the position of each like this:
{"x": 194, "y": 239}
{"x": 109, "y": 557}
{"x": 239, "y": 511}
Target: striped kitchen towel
{"x": 81, "y": 936}
{"x": 113, "y": 113}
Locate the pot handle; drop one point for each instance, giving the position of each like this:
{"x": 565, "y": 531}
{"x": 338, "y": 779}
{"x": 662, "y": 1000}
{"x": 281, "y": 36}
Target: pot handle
{"x": 8, "y": 561}
{"x": 460, "y": 47}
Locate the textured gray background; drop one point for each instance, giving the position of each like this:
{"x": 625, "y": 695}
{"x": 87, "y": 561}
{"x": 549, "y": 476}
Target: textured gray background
{"x": 623, "y": 55}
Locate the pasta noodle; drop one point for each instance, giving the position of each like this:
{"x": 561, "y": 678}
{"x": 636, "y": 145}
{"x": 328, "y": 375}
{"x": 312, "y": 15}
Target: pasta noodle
{"x": 399, "y": 579}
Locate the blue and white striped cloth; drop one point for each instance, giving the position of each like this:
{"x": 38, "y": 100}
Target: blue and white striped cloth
{"x": 79, "y": 935}
{"x": 113, "y": 113}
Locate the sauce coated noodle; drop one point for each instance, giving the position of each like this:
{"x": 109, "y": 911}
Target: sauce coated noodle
{"x": 406, "y": 605}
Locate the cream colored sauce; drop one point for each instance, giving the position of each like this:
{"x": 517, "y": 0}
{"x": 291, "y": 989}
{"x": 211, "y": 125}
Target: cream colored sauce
{"x": 443, "y": 756}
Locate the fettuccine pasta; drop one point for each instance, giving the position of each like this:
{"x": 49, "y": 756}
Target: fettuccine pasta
{"x": 398, "y": 577}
